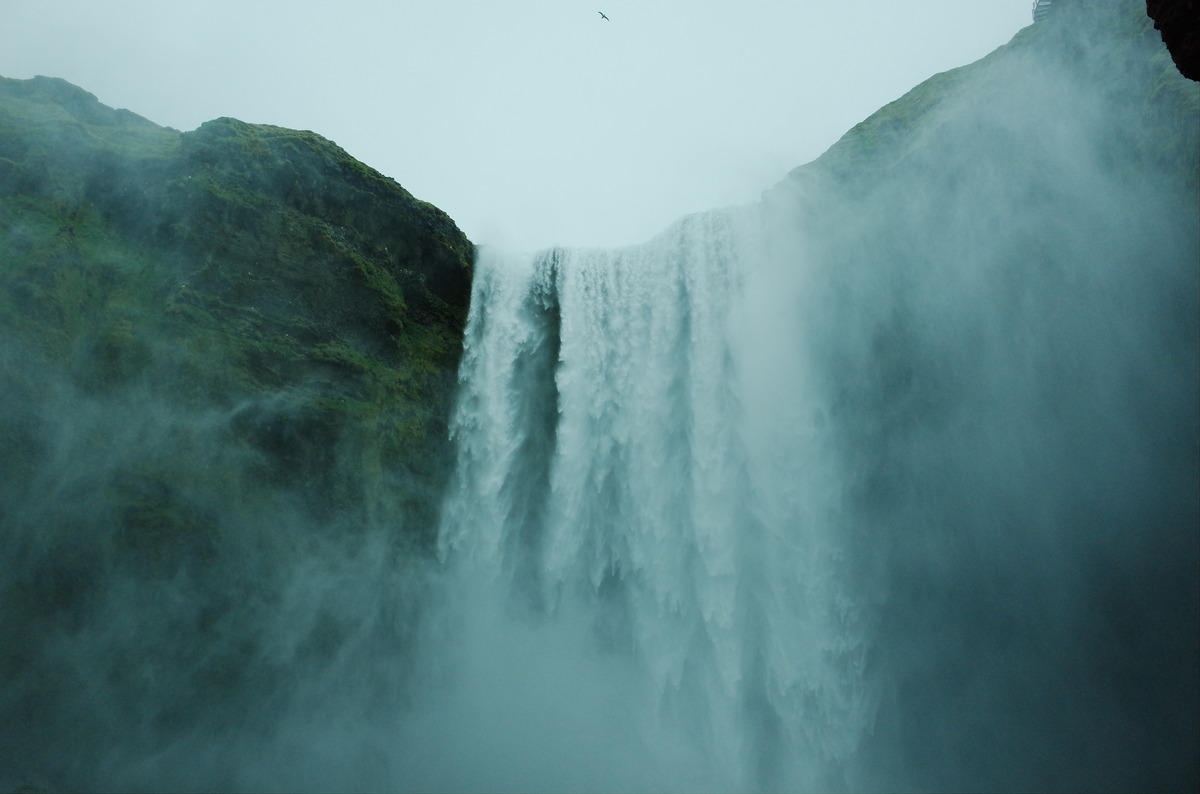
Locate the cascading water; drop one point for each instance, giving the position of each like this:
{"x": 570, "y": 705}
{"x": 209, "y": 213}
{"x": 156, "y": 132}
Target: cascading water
{"x": 623, "y": 489}
{"x": 885, "y": 482}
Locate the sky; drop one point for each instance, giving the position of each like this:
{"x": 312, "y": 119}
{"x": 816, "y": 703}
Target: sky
{"x": 531, "y": 122}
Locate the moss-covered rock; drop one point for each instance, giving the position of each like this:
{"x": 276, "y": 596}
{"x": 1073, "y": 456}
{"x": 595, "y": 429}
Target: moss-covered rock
{"x": 227, "y": 358}
{"x": 234, "y": 265}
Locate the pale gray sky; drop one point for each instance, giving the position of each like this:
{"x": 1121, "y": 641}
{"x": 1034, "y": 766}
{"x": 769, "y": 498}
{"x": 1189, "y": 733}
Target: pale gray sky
{"x": 531, "y": 122}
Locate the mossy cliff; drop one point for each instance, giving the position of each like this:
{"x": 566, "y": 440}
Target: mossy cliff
{"x": 246, "y": 268}
{"x": 221, "y": 351}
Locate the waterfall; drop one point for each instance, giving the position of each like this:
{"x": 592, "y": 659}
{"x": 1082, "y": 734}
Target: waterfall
{"x": 888, "y": 481}
{"x": 629, "y": 488}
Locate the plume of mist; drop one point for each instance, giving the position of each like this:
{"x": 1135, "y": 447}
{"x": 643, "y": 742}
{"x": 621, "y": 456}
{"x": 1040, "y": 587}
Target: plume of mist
{"x": 887, "y": 482}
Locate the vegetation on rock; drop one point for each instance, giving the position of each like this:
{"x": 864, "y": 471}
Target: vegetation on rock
{"x": 226, "y": 267}
{"x": 217, "y": 348}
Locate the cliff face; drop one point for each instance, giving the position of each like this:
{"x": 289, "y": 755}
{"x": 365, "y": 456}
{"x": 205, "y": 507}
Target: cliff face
{"x": 223, "y": 267}
{"x": 220, "y": 351}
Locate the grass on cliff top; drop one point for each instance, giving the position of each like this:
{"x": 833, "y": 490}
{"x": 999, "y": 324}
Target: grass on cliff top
{"x": 48, "y": 104}
{"x": 231, "y": 141}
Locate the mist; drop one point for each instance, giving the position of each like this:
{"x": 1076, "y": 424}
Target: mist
{"x": 886, "y": 481}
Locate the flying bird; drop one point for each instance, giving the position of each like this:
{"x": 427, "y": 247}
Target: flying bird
{"x": 601, "y": 13}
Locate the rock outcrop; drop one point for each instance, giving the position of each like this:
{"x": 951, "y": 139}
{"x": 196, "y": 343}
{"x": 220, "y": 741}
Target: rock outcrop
{"x": 1179, "y": 23}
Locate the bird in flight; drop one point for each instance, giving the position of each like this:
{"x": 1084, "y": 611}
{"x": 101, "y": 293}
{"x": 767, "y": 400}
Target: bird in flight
{"x": 601, "y": 13}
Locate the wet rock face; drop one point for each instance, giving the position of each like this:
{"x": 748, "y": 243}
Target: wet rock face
{"x": 1179, "y": 23}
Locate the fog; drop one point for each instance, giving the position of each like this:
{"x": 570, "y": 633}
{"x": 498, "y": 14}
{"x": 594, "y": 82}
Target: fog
{"x": 885, "y": 481}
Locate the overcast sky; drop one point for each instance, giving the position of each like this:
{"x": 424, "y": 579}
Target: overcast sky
{"x": 531, "y": 122}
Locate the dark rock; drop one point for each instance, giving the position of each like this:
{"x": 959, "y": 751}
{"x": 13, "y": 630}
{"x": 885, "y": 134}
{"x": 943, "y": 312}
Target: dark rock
{"x": 1179, "y": 23}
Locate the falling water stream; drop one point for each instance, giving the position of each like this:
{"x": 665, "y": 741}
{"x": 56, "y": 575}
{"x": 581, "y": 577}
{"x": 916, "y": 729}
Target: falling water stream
{"x": 886, "y": 481}
{"x": 625, "y": 489}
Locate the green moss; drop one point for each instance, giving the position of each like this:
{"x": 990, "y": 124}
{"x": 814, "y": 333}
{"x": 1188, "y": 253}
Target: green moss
{"x": 216, "y": 347}
{"x": 249, "y": 270}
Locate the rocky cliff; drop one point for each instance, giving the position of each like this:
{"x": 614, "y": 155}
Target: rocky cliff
{"x": 222, "y": 353}
{"x": 242, "y": 268}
